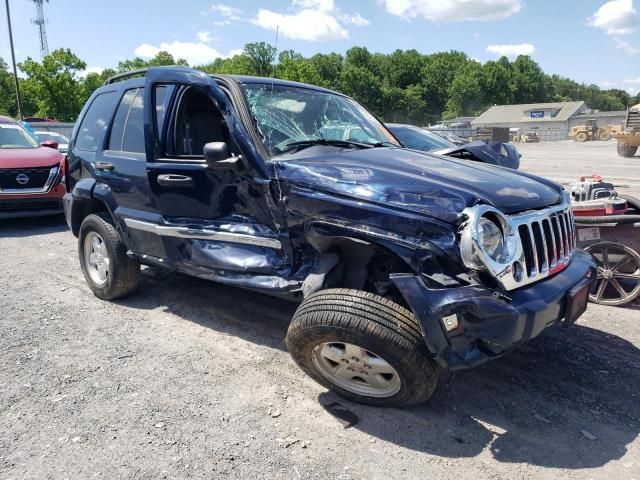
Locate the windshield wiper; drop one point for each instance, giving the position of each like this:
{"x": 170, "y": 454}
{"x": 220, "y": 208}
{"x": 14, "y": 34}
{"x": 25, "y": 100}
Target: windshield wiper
{"x": 325, "y": 141}
{"x": 384, "y": 144}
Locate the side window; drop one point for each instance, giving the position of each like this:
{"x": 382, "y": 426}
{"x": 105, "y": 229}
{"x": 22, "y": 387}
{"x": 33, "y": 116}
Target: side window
{"x": 127, "y": 133}
{"x": 198, "y": 122}
{"x": 161, "y": 106}
{"x": 95, "y": 122}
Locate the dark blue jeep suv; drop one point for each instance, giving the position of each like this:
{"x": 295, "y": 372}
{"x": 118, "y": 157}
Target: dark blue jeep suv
{"x": 404, "y": 263}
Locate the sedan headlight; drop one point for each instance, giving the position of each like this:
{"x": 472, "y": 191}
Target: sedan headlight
{"x": 488, "y": 240}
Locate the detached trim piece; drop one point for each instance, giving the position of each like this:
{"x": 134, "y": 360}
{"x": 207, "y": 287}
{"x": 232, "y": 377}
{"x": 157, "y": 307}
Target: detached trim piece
{"x": 197, "y": 234}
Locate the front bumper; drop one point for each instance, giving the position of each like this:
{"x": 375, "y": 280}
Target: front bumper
{"x": 32, "y": 205}
{"x": 490, "y": 325}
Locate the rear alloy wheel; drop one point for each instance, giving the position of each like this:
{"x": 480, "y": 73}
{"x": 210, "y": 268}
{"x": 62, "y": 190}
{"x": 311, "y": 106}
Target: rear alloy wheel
{"x": 364, "y": 347}
{"x": 618, "y": 281}
{"x": 582, "y": 137}
{"x": 626, "y": 150}
{"x": 109, "y": 272}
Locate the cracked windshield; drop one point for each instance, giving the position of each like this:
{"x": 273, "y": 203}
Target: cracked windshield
{"x": 291, "y": 117}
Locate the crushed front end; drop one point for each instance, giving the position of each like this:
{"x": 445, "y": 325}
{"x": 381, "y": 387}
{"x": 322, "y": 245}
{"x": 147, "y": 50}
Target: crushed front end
{"x": 540, "y": 279}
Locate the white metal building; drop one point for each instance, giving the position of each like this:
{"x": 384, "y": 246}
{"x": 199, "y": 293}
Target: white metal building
{"x": 551, "y": 121}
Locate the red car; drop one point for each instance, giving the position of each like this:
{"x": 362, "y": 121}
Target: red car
{"x": 30, "y": 173}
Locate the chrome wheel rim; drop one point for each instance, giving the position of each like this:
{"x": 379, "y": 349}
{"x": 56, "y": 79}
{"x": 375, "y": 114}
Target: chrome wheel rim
{"x": 356, "y": 369}
{"x": 618, "y": 277}
{"x": 96, "y": 259}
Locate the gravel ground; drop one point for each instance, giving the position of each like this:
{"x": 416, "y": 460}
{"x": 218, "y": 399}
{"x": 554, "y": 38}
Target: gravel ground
{"x": 189, "y": 379}
{"x": 565, "y": 161}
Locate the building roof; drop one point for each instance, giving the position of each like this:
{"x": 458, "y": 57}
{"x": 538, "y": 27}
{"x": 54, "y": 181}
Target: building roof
{"x": 510, "y": 114}
{"x": 615, "y": 113}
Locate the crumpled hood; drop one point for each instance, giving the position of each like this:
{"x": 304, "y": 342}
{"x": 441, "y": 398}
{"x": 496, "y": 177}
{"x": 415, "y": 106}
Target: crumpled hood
{"x": 424, "y": 183}
{"x": 29, "y": 157}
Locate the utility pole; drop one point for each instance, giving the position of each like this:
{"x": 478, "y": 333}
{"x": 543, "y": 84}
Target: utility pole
{"x": 13, "y": 60}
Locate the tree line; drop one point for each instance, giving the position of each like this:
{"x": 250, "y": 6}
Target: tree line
{"x": 402, "y": 86}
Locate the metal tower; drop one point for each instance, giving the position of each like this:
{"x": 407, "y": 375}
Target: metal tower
{"x": 40, "y": 21}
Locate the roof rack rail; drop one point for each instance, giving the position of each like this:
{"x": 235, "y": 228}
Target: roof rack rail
{"x": 130, "y": 73}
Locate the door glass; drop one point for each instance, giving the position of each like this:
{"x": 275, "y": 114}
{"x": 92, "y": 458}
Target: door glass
{"x": 133, "y": 140}
{"x": 120, "y": 120}
{"x": 198, "y": 122}
{"x": 127, "y": 133}
{"x": 95, "y": 122}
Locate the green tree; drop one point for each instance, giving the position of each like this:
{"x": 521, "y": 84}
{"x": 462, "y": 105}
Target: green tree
{"x": 261, "y": 58}
{"x": 437, "y": 75}
{"x": 55, "y": 84}
{"x": 329, "y": 68}
{"x": 495, "y": 81}
{"x": 162, "y": 58}
{"x": 360, "y": 83}
{"x": 293, "y": 66}
{"x": 7, "y": 91}
{"x": 530, "y": 84}
{"x": 465, "y": 93}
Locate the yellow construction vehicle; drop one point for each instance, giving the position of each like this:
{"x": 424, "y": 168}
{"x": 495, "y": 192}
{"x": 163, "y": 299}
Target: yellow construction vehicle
{"x": 629, "y": 138}
{"x": 591, "y": 131}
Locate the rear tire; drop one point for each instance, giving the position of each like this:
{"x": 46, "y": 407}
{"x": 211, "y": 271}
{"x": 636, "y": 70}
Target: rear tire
{"x": 626, "y": 150}
{"x": 109, "y": 272}
{"x": 364, "y": 347}
{"x": 582, "y": 137}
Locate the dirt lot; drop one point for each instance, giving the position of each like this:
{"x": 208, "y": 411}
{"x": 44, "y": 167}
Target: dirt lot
{"x": 188, "y": 379}
{"x": 565, "y": 161}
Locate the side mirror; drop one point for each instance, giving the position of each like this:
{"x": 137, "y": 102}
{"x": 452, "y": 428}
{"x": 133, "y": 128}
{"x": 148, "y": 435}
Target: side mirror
{"x": 50, "y": 144}
{"x": 218, "y": 156}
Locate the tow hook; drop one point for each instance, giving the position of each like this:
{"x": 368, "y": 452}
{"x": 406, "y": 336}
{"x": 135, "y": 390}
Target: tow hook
{"x": 501, "y": 296}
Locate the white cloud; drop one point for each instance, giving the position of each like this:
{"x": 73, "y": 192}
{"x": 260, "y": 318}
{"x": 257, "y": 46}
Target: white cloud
{"x": 236, "y": 51}
{"x": 232, "y": 13}
{"x": 311, "y": 20}
{"x": 356, "y": 19}
{"x": 322, "y": 5}
{"x": 631, "y": 85}
{"x": 453, "y": 10}
{"x": 512, "y": 50}
{"x": 194, "y": 53}
{"x": 617, "y": 17}
{"x": 626, "y": 47}
{"x": 307, "y": 24}
{"x": 205, "y": 37}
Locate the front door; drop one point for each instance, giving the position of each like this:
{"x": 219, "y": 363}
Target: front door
{"x": 209, "y": 219}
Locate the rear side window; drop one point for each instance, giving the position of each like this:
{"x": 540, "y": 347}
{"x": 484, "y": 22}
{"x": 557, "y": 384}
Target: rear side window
{"x": 127, "y": 133}
{"x": 94, "y": 124}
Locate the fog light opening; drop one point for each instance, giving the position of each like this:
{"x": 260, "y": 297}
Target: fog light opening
{"x": 517, "y": 271}
{"x": 450, "y": 323}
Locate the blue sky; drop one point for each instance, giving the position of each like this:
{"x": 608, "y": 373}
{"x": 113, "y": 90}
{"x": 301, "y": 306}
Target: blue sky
{"x": 593, "y": 41}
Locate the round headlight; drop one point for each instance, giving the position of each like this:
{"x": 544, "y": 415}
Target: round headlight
{"x": 491, "y": 238}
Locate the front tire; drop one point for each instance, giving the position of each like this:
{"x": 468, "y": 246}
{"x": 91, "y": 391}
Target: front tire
{"x": 364, "y": 347}
{"x": 626, "y": 150}
{"x": 108, "y": 271}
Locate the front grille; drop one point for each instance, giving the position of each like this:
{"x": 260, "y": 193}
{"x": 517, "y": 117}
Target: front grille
{"x": 548, "y": 241}
{"x": 35, "y": 177}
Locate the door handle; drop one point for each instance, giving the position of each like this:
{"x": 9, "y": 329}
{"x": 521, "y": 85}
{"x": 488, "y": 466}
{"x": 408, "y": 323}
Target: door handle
{"x": 105, "y": 166}
{"x": 173, "y": 180}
